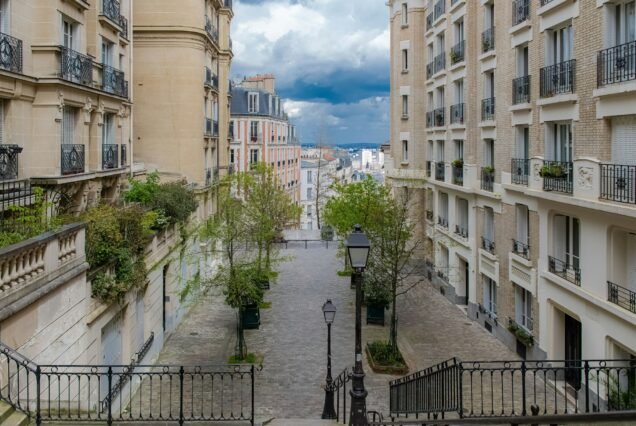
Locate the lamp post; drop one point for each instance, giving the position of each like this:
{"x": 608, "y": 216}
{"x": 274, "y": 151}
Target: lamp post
{"x": 329, "y": 411}
{"x": 358, "y": 247}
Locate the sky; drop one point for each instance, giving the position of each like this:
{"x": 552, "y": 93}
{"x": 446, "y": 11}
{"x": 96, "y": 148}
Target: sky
{"x": 330, "y": 59}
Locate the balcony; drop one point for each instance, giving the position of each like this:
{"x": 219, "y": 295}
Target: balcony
{"x": 457, "y": 114}
{"x": 9, "y": 161}
{"x": 520, "y": 170}
{"x": 430, "y": 118}
{"x": 111, "y": 9}
{"x": 76, "y": 67}
{"x": 440, "y": 9}
{"x": 488, "y": 109}
{"x": 211, "y": 128}
{"x": 621, "y": 296}
{"x": 521, "y": 249}
{"x": 487, "y": 178}
{"x": 457, "y": 53}
{"x": 123, "y": 23}
{"x": 439, "y": 115}
{"x": 564, "y": 270}
{"x": 113, "y": 81}
{"x": 429, "y": 168}
{"x": 488, "y": 40}
{"x": 10, "y": 53}
{"x": 211, "y": 80}
{"x": 488, "y": 245}
{"x": 429, "y": 21}
{"x": 124, "y": 155}
{"x": 73, "y": 159}
{"x": 557, "y": 176}
{"x": 442, "y": 221}
{"x": 110, "y": 156}
{"x": 521, "y": 90}
{"x": 439, "y": 63}
{"x": 616, "y": 64}
{"x": 211, "y": 30}
{"x": 520, "y": 11}
{"x": 618, "y": 183}
{"x": 558, "y": 79}
{"x": 462, "y": 231}
{"x": 458, "y": 172}
{"x": 440, "y": 171}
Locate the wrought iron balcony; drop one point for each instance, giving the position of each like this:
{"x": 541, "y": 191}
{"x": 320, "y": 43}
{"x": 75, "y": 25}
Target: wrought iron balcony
{"x": 440, "y": 171}
{"x": 439, "y": 63}
{"x": 487, "y": 178}
{"x": 458, "y": 174}
{"x": 488, "y": 245}
{"x": 488, "y": 40}
{"x": 442, "y": 275}
{"x": 212, "y": 31}
{"x": 440, "y": 9}
{"x": 618, "y": 183}
{"x": 429, "y": 215}
{"x": 10, "y": 53}
{"x": 617, "y": 64}
{"x": 76, "y": 67}
{"x": 112, "y": 10}
{"x": 124, "y": 155}
{"x": 457, "y": 114}
{"x": 429, "y": 168}
{"x": 521, "y": 90}
{"x": 211, "y": 80}
{"x": 557, "y": 176}
{"x": 462, "y": 231}
{"x": 110, "y": 154}
{"x": 558, "y": 79}
{"x": 430, "y": 18}
{"x": 123, "y": 23}
{"x": 564, "y": 270}
{"x": 520, "y": 11}
{"x": 457, "y": 53}
{"x": 73, "y": 159}
{"x": 488, "y": 109}
{"x": 442, "y": 221}
{"x": 440, "y": 117}
{"x": 521, "y": 249}
{"x": 520, "y": 170}
{"x": 113, "y": 81}
{"x": 9, "y": 161}
{"x": 621, "y": 296}
{"x": 430, "y": 118}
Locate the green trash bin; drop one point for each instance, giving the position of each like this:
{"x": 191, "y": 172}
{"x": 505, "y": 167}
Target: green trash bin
{"x": 251, "y": 317}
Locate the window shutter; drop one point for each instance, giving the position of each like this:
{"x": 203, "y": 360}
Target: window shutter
{"x": 623, "y": 148}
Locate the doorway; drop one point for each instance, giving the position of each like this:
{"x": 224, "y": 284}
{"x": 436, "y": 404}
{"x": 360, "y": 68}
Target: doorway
{"x": 573, "y": 352}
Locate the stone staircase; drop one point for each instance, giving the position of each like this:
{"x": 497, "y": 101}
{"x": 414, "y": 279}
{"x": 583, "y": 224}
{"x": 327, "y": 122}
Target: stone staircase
{"x": 299, "y": 422}
{"x": 10, "y": 417}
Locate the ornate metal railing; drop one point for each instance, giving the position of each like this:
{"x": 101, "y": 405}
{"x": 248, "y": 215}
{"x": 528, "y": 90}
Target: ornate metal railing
{"x": 110, "y": 154}
{"x": 440, "y": 171}
{"x": 565, "y": 270}
{"x": 487, "y": 179}
{"x": 439, "y": 115}
{"x": 123, "y": 23}
{"x": 11, "y": 54}
{"x": 557, "y": 176}
{"x": 488, "y": 245}
{"x": 112, "y": 394}
{"x": 9, "y": 161}
{"x": 72, "y": 159}
{"x": 457, "y": 53}
{"x": 521, "y": 249}
{"x": 520, "y": 11}
{"x": 488, "y": 109}
{"x": 457, "y": 114}
{"x": 124, "y": 155}
{"x": 525, "y": 392}
{"x": 339, "y": 387}
{"x": 211, "y": 80}
{"x": 458, "y": 175}
{"x": 442, "y": 221}
{"x": 440, "y": 9}
{"x": 520, "y": 170}
{"x": 558, "y": 79}
{"x": 462, "y": 231}
{"x": 212, "y": 31}
{"x": 439, "y": 63}
{"x": 113, "y": 81}
{"x": 112, "y": 10}
{"x": 488, "y": 40}
{"x": 16, "y": 216}
{"x": 75, "y": 67}
{"x": 618, "y": 183}
{"x": 521, "y": 90}
{"x": 621, "y": 296}
{"x": 617, "y": 64}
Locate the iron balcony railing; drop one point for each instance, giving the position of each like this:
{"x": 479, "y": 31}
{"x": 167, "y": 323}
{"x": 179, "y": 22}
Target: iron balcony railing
{"x": 73, "y": 159}
{"x": 124, "y": 155}
{"x": 457, "y": 114}
{"x": 110, "y": 154}
{"x": 488, "y": 109}
{"x": 439, "y": 63}
{"x": 429, "y": 20}
{"x": 488, "y": 40}
{"x": 488, "y": 245}
{"x": 557, "y": 176}
{"x": 457, "y": 53}
{"x": 442, "y": 221}
{"x": 521, "y": 90}
{"x": 76, "y": 67}
{"x": 9, "y": 161}
{"x": 520, "y": 170}
{"x": 430, "y": 118}
{"x": 617, "y": 64}
{"x": 458, "y": 175}
{"x": 520, "y": 11}
{"x": 114, "y": 81}
{"x": 487, "y": 178}
{"x": 566, "y": 270}
{"x": 211, "y": 80}
{"x": 558, "y": 79}
{"x": 440, "y": 171}
{"x": 123, "y": 23}
{"x": 440, "y": 117}
{"x": 618, "y": 183}
{"x": 10, "y": 53}
{"x": 544, "y": 2}
{"x": 112, "y": 10}
{"x": 212, "y": 31}
{"x": 621, "y": 296}
{"x": 429, "y": 168}
{"x": 461, "y": 230}
{"x": 521, "y": 249}
{"x": 440, "y": 9}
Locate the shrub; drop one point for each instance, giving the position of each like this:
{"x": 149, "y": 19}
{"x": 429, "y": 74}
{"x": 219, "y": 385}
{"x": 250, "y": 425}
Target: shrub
{"x": 175, "y": 201}
{"x": 383, "y": 353}
{"x": 143, "y": 192}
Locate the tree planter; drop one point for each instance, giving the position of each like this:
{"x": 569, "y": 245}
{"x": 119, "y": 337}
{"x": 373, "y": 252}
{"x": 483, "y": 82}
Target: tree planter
{"x": 251, "y": 316}
{"x": 394, "y": 370}
{"x": 375, "y": 313}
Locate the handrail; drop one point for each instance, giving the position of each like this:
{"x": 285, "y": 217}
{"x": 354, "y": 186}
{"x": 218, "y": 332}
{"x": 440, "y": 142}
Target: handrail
{"x": 340, "y": 382}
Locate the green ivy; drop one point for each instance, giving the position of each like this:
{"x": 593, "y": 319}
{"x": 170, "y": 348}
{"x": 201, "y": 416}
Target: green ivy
{"x": 23, "y": 222}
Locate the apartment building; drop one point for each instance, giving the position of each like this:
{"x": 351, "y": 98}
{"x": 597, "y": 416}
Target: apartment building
{"x": 513, "y": 123}
{"x": 64, "y": 96}
{"x": 261, "y": 132}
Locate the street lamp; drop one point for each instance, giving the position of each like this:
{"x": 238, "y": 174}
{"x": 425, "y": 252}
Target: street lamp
{"x": 329, "y": 411}
{"x": 358, "y": 248}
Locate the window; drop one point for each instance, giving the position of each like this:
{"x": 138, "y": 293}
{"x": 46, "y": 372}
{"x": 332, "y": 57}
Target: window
{"x": 310, "y": 193}
{"x": 108, "y": 136}
{"x": 107, "y": 52}
{"x": 440, "y": 97}
{"x": 489, "y": 85}
{"x": 459, "y": 31}
{"x": 459, "y": 149}
{"x": 622, "y": 22}
{"x": 522, "y": 61}
{"x": 252, "y": 102}
{"x": 523, "y": 220}
{"x": 405, "y": 14}
{"x": 523, "y": 142}
{"x": 405, "y": 60}
{"x": 566, "y": 244}
{"x": 440, "y": 151}
{"x": 560, "y": 45}
{"x": 405, "y": 151}
{"x": 68, "y": 125}
{"x": 232, "y": 160}
{"x": 490, "y": 295}
{"x": 443, "y": 205}
{"x": 69, "y": 33}
{"x": 523, "y": 308}
{"x": 253, "y": 156}
{"x": 459, "y": 91}
{"x": 489, "y": 224}
{"x": 254, "y": 131}
{"x": 405, "y": 105}
{"x": 4, "y": 16}
{"x": 489, "y": 15}
{"x": 489, "y": 153}
{"x": 559, "y": 142}
{"x": 462, "y": 216}
{"x": 1, "y": 121}
{"x": 309, "y": 176}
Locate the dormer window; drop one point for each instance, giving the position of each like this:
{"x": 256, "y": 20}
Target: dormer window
{"x": 252, "y": 102}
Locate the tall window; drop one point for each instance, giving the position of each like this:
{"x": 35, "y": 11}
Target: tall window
{"x": 405, "y": 14}
{"x": 232, "y": 160}
{"x": 559, "y": 142}
{"x": 459, "y": 149}
{"x": 4, "y": 16}
{"x": 490, "y": 295}
{"x": 489, "y": 152}
{"x": 522, "y": 61}
{"x": 523, "y": 142}
{"x": 107, "y": 52}
{"x": 69, "y": 33}
{"x": 405, "y": 105}
{"x": 68, "y": 125}
{"x": 252, "y": 102}
{"x": 253, "y": 156}
{"x": 560, "y": 45}
{"x": 108, "y": 134}
{"x": 489, "y": 224}
{"x": 310, "y": 193}
{"x": 254, "y": 131}
{"x": 405, "y": 151}
{"x": 405, "y": 59}
{"x": 523, "y": 221}
{"x": 459, "y": 31}
{"x": 489, "y": 85}
{"x": 441, "y": 155}
{"x": 567, "y": 239}
{"x": 523, "y": 308}
{"x": 459, "y": 91}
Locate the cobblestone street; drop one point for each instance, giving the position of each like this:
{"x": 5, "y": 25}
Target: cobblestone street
{"x": 292, "y": 336}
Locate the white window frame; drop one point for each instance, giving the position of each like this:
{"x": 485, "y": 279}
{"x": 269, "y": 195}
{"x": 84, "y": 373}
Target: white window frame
{"x": 489, "y": 224}
{"x": 405, "y": 106}
{"x": 108, "y": 129}
{"x": 523, "y": 223}
{"x": 561, "y": 143}
{"x": 108, "y": 50}
{"x": 69, "y": 122}
{"x": 252, "y": 102}
{"x": 69, "y": 33}
{"x": 405, "y": 60}
{"x": 253, "y": 156}
{"x": 560, "y": 44}
{"x": 405, "y": 14}
{"x": 567, "y": 248}
{"x": 490, "y": 295}
{"x": 523, "y": 308}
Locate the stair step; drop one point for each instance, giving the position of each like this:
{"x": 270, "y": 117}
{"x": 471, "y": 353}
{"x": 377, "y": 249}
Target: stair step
{"x": 300, "y": 422}
{"x": 16, "y": 419}
{"x": 5, "y": 411}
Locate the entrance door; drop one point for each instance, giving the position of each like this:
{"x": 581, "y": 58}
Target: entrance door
{"x": 467, "y": 281}
{"x": 573, "y": 352}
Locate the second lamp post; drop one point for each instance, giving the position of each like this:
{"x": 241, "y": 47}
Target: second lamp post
{"x": 329, "y": 411}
